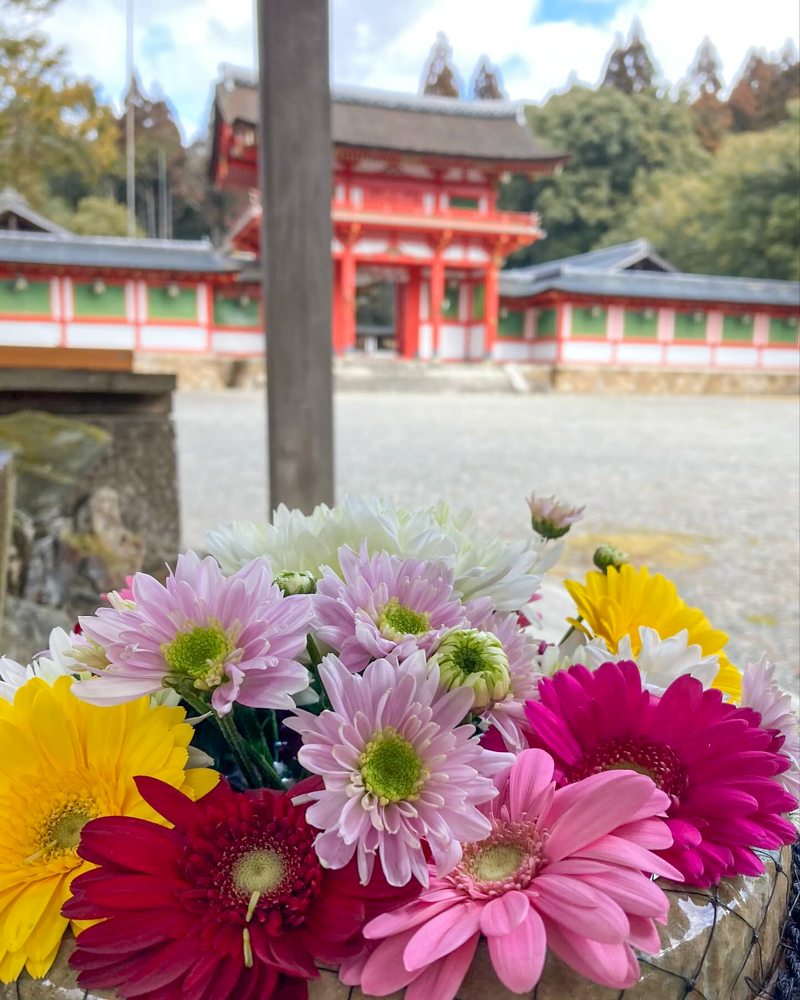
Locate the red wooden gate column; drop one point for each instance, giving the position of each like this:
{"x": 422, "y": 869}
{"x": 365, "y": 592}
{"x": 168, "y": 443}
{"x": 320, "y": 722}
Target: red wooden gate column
{"x": 348, "y": 308}
{"x": 437, "y": 294}
{"x": 411, "y": 314}
{"x": 491, "y": 304}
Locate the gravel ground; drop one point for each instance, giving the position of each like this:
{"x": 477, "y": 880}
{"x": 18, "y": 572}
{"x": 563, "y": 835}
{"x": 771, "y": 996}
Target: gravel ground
{"x": 704, "y": 489}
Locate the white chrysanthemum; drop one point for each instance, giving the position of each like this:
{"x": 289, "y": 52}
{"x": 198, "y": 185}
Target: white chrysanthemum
{"x": 761, "y": 692}
{"x": 660, "y": 661}
{"x": 483, "y": 565}
{"x": 58, "y": 664}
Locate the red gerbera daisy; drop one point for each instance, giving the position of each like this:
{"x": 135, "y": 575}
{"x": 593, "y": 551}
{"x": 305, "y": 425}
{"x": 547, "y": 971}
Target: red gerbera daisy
{"x": 712, "y": 759}
{"x": 231, "y": 904}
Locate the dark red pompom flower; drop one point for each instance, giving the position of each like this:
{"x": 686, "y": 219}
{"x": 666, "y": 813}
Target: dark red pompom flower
{"x": 231, "y": 904}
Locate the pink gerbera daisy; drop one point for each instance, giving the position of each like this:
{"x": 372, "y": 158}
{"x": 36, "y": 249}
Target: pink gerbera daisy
{"x": 559, "y": 868}
{"x": 710, "y": 757}
{"x": 399, "y": 769}
{"x": 230, "y": 639}
{"x": 386, "y": 607}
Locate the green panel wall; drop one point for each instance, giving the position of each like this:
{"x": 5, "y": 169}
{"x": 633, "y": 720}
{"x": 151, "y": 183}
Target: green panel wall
{"x": 161, "y": 305}
{"x": 32, "y": 301}
{"x": 511, "y": 323}
{"x": 450, "y": 301}
{"x": 687, "y": 327}
{"x": 229, "y": 311}
{"x": 737, "y": 329}
{"x": 783, "y": 330}
{"x": 107, "y": 304}
{"x": 478, "y": 295}
{"x": 639, "y": 326}
{"x": 546, "y": 323}
{"x": 586, "y": 324}
{"x": 456, "y": 201}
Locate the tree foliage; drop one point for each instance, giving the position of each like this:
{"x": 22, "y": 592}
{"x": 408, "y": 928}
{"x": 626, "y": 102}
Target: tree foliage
{"x": 439, "y": 78}
{"x": 614, "y": 140}
{"x": 760, "y": 96}
{"x": 630, "y": 68}
{"x": 486, "y": 84}
{"x": 50, "y": 121}
{"x": 740, "y": 216}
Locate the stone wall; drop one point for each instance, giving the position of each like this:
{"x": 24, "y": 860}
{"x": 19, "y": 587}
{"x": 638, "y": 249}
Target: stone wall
{"x": 660, "y": 381}
{"x": 199, "y": 372}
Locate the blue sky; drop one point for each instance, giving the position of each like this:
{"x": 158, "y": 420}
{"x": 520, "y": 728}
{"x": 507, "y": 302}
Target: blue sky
{"x": 538, "y": 44}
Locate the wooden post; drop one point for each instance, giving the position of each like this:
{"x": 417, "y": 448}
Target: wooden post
{"x": 6, "y": 514}
{"x": 295, "y": 164}
{"x": 491, "y": 305}
{"x": 437, "y": 294}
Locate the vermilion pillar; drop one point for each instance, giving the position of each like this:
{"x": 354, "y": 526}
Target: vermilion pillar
{"x": 437, "y": 294}
{"x": 347, "y": 274}
{"x": 411, "y": 315}
{"x": 490, "y": 306}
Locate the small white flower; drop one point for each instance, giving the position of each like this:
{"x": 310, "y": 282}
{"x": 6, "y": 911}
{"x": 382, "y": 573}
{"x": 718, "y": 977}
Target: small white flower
{"x": 58, "y": 664}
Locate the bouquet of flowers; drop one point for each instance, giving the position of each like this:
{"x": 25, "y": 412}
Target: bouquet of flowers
{"x": 339, "y": 739}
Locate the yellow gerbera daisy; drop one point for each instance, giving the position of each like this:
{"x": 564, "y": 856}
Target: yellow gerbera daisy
{"x": 616, "y": 603}
{"x": 62, "y": 763}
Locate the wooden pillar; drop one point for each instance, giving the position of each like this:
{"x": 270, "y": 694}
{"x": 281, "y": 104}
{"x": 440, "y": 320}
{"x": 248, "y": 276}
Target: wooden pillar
{"x": 437, "y": 295}
{"x": 411, "y": 292}
{"x": 295, "y": 165}
{"x": 491, "y": 305}
{"x": 337, "y": 312}
{"x": 348, "y": 280}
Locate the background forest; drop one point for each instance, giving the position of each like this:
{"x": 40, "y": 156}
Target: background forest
{"x": 709, "y": 173}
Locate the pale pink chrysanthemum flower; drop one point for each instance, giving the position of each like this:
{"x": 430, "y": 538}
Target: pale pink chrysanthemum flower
{"x": 386, "y": 607}
{"x": 557, "y": 870}
{"x": 494, "y": 659}
{"x": 761, "y": 692}
{"x": 230, "y": 639}
{"x": 552, "y": 518}
{"x": 399, "y": 769}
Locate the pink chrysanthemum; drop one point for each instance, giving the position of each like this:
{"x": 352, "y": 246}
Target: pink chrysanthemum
{"x": 710, "y": 757}
{"x": 234, "y": 638}
{"x": 761, "y": 692}
{"x": 399, "y": 769}
{"x": 495, "y": 659}
{"x": 559, "y": 868}
{"x": 386, "y": 607}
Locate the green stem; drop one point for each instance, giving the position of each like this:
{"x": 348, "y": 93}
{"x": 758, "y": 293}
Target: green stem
{"x": 313, "y": 652}
{"x": 568, "y": 633}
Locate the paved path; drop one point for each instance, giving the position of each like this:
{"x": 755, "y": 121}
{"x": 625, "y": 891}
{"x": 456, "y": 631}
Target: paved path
{"x": 705, "y": 489}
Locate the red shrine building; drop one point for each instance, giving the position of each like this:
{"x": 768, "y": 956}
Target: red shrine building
{"x": 414, "y": 212}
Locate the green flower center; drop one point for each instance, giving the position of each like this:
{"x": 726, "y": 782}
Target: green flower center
{"x": 259, "y": 871}
{"x": 496, "y": 863}
{"x": 66, "y": 831}
{"x": 200, "y": 653}
{"x": 390, "y": 767}
{"x": 396, "y": 620}
{"x": 475, "y": 659}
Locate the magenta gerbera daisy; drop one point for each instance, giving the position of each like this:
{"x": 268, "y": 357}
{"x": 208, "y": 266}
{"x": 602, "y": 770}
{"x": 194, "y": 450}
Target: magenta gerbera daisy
{"x": 710, "y": 757}
{"x": 400, "y": 769}
{"x": 559, "y": 868}
{"x": 224, "y": 639}
{"x": 231, "y": 904}
{"x": 384, "y": 607}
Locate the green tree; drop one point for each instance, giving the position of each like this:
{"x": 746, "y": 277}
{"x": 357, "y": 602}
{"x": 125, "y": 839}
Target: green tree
{"x": 439, "y": 78}
{"x": 741, "y": 216}
{"x": 94, "y": 216}
{"x": 614, "y": 140}
{"x": 50, "y": 121}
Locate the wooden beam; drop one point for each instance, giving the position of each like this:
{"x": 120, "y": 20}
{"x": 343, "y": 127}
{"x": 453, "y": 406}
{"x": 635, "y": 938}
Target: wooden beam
{"x": 295, "y": 168}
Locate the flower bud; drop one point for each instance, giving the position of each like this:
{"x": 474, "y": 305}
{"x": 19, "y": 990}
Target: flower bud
{"x": 292, "y": 582}
{"x": 474, "y": 659}
{"x": 609, "y": 555}
{"x": 552, "y": 518}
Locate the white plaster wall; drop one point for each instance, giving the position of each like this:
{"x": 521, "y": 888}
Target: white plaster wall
{"x": 737, "y": 357}
{"x": 451, "y": 341}
{"x": 454, "y": 252}
{"x": 109, "y": 335}
{"x": 237, "y": 343}
{"x": 412, "y": 248}
{"x": 425, "y": 340}
{"x": 666, "y": 325}
{"x": 639, "y": 354}
{"x": 30, "y": 334}
{"x": 477, "y": 339}
{"x": 582, "y": 352}
{"x": 615, "y": 319}
{"x": 688, "y": 354}
{"x": 425, "y": 300}
{"x": 478, "y": 254}
{"x": 544, "y": 351}
{"x": 371, "y": 247}
{"x": 784, "y": 358}
{"x": 173, "y": 338}
{"x": 506, "y": 350}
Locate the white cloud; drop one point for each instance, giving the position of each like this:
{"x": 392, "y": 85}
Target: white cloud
{"x": 386, "y": 44}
